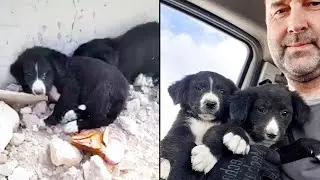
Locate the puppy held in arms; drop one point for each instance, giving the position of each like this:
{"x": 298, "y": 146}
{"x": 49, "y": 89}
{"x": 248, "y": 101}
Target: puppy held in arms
{"x": 203, "y": 98}
{"x": 93, "y": 93}
{"x": 258, "y": 115}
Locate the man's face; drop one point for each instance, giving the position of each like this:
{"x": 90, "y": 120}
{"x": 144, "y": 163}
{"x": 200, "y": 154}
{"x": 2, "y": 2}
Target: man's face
{"x": 293, "y": 28}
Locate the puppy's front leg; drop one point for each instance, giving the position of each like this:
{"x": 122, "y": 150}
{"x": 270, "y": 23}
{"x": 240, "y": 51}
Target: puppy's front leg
{"x": 236, "y": 140}
{"x": 175, "y": 149}
{"x": 206, "y": 155}
{"x": 67, "y": 101}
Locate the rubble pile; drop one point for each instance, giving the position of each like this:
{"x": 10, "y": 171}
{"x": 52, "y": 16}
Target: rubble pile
{"x": 31, "y": 151}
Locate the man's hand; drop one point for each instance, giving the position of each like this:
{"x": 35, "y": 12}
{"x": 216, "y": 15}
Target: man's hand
{"x": 260, "y": 163}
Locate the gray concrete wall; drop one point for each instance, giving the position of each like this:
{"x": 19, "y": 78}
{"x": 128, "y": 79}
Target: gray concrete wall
{"x": 65, "y": 24}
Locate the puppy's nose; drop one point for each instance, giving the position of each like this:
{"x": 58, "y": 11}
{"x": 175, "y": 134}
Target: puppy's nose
{"x": 211, "y": 104}
{"x": 271, "y": 135}
{"x": 38, "y": 91}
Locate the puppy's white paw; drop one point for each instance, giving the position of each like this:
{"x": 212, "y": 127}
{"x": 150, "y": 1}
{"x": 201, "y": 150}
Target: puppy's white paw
{"x": 164, "y": 168}
{"x": 202, "y": 159}
{"x": 69, "y": 116}
{"x": 82, "y": 107}
{"x": 318, "y": 157}
{"x": 71, "y": 127}
{"x": 236, "y": 144}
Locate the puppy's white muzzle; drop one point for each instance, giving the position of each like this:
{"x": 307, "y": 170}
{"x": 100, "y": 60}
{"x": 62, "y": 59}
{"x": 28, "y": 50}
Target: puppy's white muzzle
{"x": 38, "y": 87}
{"x": 272, "y": 130}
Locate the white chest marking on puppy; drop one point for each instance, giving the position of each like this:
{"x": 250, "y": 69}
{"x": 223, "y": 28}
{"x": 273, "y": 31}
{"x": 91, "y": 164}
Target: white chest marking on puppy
{"x": 199, "y": 128}
{"x": 273, "y": 127}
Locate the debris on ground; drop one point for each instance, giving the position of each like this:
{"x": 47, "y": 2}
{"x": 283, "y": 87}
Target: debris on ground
{"x": 30, "y": 151}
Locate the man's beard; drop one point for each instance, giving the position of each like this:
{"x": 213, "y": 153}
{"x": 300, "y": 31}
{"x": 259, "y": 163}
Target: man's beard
{"x": 289, "y": 63}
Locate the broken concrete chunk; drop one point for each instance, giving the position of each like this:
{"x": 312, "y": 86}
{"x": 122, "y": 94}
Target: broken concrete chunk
{"x": 5, "y": 138}
{"x": 30, "y": 120}
{"x": 133, "y": 105}
{"x": 96, "y": 169}
{"x": 73, "y": 174}
{"x": 63, "y": 153}
{"x": 3, "y": 177}
{"x": 40, "y": 108}
{"x": 26, "y": 110}
{"x": 14, "y": 87}
{"x": 7, "y": 169}
{"x": 17, "y": 139}
{"x": 20, "y": 174}
{"x": 8, "y": 116}
{"x": 3, "y": 158}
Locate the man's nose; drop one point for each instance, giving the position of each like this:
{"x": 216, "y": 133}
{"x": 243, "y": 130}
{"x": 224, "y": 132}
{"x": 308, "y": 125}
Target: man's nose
{"x": 297, "y": 20}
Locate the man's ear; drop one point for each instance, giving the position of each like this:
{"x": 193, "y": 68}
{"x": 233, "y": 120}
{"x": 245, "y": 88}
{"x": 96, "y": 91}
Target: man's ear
{"x": 301, "y": 111}
{"x": 240, "y": 105}
{"x": 178, "y": 90}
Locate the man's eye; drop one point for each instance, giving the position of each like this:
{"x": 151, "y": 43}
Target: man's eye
{"x": 281, "y": 11}
{"x": 313, "y": 5}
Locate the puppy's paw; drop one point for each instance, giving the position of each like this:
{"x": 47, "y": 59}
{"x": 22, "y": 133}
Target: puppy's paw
{"x": 202, "y": 159}
{"x": 69, "y": 116}
{"x": 71, "y": 127}
{"x": 236, "y": 144}
{"x": 50, "y": 121}
{"x": 164, "y": 168}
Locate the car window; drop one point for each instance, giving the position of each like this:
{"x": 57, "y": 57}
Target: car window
{"x": 189, "y": 45}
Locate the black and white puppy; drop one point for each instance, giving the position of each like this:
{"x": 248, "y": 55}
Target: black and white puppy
{"x": 135, "y": 52}
{"x": 39, "y": 70}
{"x": 93, "y": 95}
{"x": 93, "y": 92}
{"x": 203, "y": 98}
{"x": 260, "y": 115}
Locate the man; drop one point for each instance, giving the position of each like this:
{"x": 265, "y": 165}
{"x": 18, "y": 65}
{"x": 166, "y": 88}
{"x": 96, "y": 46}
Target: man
{"x": 293, "y": 31}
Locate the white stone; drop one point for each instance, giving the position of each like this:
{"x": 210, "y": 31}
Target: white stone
{"x": 133, "y": 105}
{"x": 3, "y": 177}
{"x": 63, "y": 153}
{"x": 96, "y": 169}
{"x": 3, "y": 158}
{"x": 5, "y": 138}
{"x": 20, "y": 174}
{"x": 26, "y": 110}
{"x": 8, "y": 116}
{"x": 40, "y": 108}
{"x": 17, "y": 139}
{"x": 30, "y": 120}
{"x": 7, "y": 169}
{"x": 73, "y": 174}
{"x": 128, "y": 124}
{"x": 14, "y": 87}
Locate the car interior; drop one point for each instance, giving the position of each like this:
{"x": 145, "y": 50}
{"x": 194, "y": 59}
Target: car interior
{"x": 245, "y": 20}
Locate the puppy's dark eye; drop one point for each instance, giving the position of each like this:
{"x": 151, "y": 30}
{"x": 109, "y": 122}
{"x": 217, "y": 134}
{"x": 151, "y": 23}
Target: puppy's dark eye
{"x": 222, "y": 91}
{"x": 284, "y": 113}
{"x": 198, "y": 88}
{"x": 261, "y": 109}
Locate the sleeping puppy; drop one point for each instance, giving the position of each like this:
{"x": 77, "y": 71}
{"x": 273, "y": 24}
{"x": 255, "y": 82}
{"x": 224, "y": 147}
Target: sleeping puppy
{"x": 93, "y": 95}
{"x": 203, "y": 98}
{"x": 260, "y": 115}
{"x": 39, "y": 70}
{"x": 135, "y": 52}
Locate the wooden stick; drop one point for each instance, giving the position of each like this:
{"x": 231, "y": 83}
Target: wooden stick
{"x": 20, "y": 97}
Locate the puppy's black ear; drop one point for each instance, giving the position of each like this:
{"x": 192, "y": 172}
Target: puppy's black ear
{"x": 301, "y": 111}
{"x": 178, "y": 90}
{"x": 240, "y": 106}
